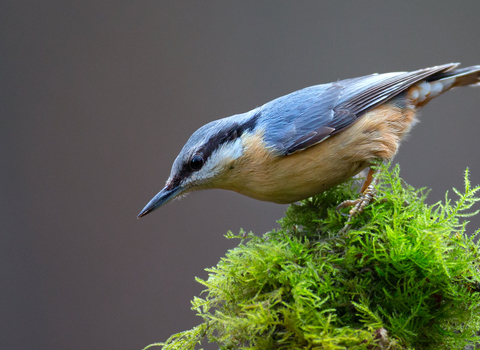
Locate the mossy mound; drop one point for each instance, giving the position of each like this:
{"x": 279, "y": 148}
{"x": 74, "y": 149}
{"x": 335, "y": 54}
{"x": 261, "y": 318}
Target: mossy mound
{"x": 405, "y": 276}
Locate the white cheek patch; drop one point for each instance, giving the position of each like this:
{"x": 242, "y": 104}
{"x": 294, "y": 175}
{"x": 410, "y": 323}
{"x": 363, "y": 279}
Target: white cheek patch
{"x": 223, "y": 156}
{"x": 232, "y": 150}
{"x": 218, "y": 161}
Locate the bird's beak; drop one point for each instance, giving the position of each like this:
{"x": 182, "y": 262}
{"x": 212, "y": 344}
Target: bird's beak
{"x": 163, "y": 197}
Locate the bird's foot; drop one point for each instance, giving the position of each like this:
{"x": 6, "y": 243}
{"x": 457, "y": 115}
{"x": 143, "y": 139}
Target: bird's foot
{"x": 358, "y": 205}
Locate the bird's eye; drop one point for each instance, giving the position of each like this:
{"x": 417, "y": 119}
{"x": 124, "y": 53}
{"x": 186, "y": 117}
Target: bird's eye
{"x": 197, "y": 162}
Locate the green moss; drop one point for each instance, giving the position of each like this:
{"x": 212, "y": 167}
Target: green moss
{"x": 405, "y": 276}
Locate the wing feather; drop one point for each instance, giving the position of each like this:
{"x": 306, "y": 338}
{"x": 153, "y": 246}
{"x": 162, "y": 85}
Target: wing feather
{"x": 306, "y": 117}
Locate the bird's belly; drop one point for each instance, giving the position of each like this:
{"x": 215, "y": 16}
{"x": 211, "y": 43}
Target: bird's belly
{"x": 299, "y": 176}
{"x": 286, "y": 179}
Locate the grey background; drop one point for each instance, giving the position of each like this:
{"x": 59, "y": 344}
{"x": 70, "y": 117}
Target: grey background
{"x": 97, "y": 98}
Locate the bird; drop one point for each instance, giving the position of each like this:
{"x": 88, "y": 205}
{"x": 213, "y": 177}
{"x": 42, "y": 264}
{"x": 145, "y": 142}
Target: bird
{"x": 303, "y": 143}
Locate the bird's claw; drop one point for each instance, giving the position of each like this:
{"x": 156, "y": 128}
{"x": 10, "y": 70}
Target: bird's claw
{"x": 358, "y": 205}
{"x": 346, "y": 204}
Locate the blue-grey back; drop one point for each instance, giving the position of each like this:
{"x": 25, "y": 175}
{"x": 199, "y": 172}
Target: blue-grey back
{"x": 305, "y": 117}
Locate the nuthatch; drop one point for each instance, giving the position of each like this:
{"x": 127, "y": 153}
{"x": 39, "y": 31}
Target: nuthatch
{"x": 304, "y": 143}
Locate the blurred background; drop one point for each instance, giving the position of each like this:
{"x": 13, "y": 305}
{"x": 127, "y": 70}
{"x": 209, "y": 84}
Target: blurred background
{"x": 98, "y": 97}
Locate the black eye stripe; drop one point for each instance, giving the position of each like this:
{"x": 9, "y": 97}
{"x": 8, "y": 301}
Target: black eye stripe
{"x": 225, "y": 135}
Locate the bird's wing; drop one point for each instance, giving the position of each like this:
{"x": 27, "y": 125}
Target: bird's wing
{"x": 306, "y": 117}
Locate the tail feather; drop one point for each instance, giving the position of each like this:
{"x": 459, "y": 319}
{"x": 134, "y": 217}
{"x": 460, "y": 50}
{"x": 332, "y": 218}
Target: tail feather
{"x": 436, "y": 84}
{"x": 463, "y": 76}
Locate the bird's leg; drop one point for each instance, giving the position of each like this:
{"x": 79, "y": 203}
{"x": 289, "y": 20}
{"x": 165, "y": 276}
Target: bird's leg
{"x": 358, "y": 205}
{"x": 366, "y": 186}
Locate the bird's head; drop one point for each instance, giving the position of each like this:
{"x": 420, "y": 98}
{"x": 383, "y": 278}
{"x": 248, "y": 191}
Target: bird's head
{"x": 206, "y": 159}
